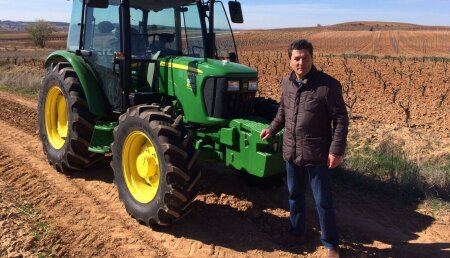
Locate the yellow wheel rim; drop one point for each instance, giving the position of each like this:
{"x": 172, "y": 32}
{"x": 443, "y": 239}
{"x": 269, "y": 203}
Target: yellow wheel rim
{"x": 140, "y": 167}
{"x": 56, "y": 117}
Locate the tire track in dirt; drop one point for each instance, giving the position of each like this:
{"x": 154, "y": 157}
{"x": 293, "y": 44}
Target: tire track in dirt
{"x": 88, "y": 213}
{"x": 23, "y": 231}
{"x": 18, "y": 115}
{"x": 87, "y": 228}
{"x": 22, "y": 101}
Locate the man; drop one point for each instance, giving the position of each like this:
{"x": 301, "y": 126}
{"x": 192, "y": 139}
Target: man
{"x": 315, "y": 119}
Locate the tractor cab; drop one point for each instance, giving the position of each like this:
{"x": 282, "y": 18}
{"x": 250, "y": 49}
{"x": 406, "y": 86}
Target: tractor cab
{"x": 125, "y": 41}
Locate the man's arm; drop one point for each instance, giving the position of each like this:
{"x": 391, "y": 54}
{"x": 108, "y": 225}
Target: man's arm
{"x": 338, "y": 112}
{"x": 278, "y": 122}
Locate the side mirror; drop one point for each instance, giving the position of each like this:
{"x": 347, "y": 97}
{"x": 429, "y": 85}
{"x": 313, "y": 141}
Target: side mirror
{"x": 235, "y": 12}
{"x": 97, "y": 3}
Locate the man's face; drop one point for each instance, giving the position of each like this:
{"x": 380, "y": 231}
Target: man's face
{"x": 301, "y": 62}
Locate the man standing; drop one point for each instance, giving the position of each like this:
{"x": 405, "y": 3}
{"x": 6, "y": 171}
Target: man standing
{"x": 315, "y": 119}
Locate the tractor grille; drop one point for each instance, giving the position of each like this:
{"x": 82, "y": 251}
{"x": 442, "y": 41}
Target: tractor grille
{"x": 221, "y": 103}
{"x": 238, "y": 104}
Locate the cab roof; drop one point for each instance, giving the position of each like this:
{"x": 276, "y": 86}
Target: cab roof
{"x": 158, "y": 4}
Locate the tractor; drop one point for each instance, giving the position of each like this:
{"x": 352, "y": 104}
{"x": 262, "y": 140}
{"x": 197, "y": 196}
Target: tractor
{"x": 155, "y": 86}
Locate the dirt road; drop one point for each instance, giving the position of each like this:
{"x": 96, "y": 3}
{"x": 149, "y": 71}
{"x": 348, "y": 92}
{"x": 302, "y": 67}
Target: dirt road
{"x": 85, "y": 218}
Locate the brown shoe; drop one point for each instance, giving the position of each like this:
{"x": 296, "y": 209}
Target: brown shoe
{"x": 332, "y": 253}
{"x": 289, "y": 240}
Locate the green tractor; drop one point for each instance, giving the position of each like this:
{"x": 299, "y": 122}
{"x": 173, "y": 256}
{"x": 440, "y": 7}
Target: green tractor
{"x": 157, "y": 85}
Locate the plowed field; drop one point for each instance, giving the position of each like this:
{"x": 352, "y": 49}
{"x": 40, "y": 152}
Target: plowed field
{"x": 79, "y": 215}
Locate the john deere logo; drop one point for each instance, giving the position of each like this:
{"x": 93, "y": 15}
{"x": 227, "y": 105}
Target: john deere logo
{"x": 191, "y": 81}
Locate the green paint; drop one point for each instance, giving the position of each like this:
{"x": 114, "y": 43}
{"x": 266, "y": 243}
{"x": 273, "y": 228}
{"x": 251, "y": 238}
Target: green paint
{"x": 102, "y": 137}
{"x": 257, "y": 157}
{"x": 229, "y": 136}
{"x": 94, "y": 95}
{"x": 240, "y": 147}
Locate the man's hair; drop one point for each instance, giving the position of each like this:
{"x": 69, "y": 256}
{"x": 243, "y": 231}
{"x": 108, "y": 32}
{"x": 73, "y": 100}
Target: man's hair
{"x": 299, "y": 45}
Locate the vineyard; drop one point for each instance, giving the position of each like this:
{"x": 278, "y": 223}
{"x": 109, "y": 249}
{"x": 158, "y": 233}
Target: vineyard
{"x": 397, "y": 78}
{"x": 381, "y": 43}
{"x": 409, "y": 92}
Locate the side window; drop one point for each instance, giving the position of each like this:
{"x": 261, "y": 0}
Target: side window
{"x": 102, "y": 35}
{"x": 102, "y": 38}
{"x": 138, "y": 37}
{"x": 192, "y": 38}
{"x": 161, "y": 30}
{"x": 225, "y": 48}
{"x": 73, "y": 39}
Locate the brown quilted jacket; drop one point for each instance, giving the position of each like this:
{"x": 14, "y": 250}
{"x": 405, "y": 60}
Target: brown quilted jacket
{"x": 314, "y": 118}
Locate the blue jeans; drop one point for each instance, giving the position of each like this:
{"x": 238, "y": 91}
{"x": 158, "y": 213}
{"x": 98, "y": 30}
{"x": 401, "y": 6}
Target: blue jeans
{"x": 320, "y": 179}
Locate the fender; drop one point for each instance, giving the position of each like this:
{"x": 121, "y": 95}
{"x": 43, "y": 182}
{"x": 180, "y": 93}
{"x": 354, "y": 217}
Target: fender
{"x": 95, "y": 98}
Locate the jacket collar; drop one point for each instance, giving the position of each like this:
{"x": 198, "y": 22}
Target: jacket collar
{"x": 306, "y": 78}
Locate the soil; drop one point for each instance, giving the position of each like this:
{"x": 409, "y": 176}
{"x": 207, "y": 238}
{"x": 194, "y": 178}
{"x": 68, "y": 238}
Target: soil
{"x": 44, "y": 212}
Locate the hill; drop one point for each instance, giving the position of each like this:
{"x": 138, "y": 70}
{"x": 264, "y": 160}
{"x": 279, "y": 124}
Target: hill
{"x": 20, "y": 26}
{"x": 366, "y": 26}
{"x": 383, "y": 25}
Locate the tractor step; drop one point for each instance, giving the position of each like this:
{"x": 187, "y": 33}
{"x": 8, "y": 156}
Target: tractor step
{"x": 102, "y": 137}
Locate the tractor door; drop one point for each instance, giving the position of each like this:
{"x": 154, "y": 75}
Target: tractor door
{"x": 153, "y": 34}
{"x": 172, "y": 31}
{"x": 102, "y": 40}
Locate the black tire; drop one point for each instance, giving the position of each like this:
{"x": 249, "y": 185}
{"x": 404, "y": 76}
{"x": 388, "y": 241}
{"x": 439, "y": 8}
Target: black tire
{"x": 176, "y": 189}
{"x": 74, "y": 154}
{"x": 266, "y": 108}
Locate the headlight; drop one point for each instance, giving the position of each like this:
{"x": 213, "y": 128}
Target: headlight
{"x": 253, "y": 85}
{"x": 233, "y": 86}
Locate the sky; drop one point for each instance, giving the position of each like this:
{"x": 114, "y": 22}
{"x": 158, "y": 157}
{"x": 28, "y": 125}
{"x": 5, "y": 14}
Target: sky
{"x": 267, "y": 14}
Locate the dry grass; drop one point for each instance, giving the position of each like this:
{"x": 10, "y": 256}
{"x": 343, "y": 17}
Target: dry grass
{"x": 389, "y": 169}
{"x": 21, "y": 78}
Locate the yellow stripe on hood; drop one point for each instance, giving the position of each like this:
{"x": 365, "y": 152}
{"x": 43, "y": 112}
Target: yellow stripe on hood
{"x": 180, "y": 66}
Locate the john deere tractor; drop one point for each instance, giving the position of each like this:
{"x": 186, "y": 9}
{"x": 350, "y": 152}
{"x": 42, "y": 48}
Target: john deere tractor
{"x": 157, "y": 85}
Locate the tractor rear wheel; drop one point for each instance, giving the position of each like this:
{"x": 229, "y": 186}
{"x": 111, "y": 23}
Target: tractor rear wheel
{"x": 65, "y": 123}
{"x": 151, "y": 166}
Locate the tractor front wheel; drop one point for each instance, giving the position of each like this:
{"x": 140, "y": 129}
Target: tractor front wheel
{"x": 150, "y": 166}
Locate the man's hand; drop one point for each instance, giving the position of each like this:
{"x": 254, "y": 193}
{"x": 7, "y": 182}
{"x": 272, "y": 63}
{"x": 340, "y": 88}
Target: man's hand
{"x": 265, "y": 134}
{"x": 333, "y": 160}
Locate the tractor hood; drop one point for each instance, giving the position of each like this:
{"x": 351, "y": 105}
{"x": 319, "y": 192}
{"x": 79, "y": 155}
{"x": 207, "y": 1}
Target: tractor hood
{"x": 208, "y": 67}
{"x": 226, "y": 68}
{"x": 201, "y": 84}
